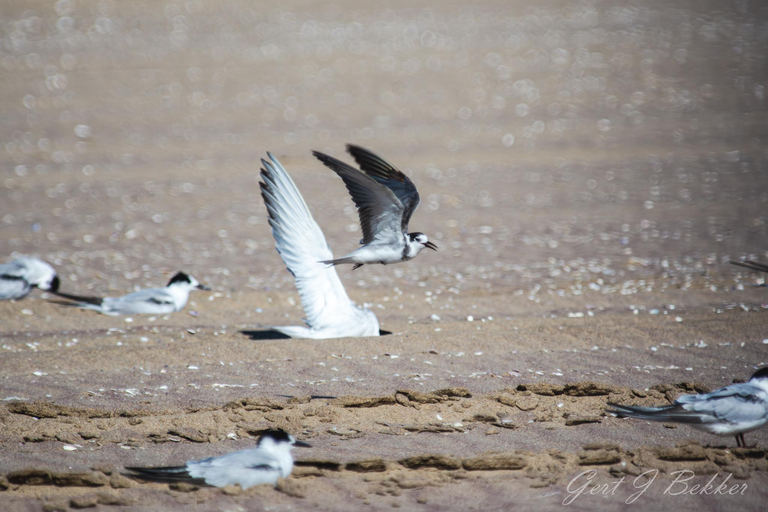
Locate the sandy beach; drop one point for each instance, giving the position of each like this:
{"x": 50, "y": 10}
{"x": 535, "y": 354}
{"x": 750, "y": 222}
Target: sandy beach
{"x": 587, "y": 171}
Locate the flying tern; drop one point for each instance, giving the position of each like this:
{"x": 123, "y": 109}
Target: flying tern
{"x": 270, "y": 460}
{"x": 385, "y": 199}
{"x": 18, "y": 277}
{"x": 302, "y": 245}
{"x": 157, "y": 301}
{"x": 729, "y": 411}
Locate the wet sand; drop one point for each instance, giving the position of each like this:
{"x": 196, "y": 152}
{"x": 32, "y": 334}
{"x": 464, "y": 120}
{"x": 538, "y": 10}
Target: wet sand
{"x": 586, "y": 171}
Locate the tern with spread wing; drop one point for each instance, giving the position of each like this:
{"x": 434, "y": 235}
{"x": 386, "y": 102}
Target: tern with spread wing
{"x": 729, "y": 411}
{"x": 156, "y": 301}
{"x": 301, "y": 244}
{"x": 385, "y": 199}
{"x": 270, "y": 460}
{"x": 18, "y": 277}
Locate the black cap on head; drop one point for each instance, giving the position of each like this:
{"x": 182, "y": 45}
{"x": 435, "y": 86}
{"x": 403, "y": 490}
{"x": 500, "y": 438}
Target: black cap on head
{"x": 54, "y": 284}
{"x": 762, "y": 373}
{"x": 278, "y": 435}
{"x": 180, "y": 277}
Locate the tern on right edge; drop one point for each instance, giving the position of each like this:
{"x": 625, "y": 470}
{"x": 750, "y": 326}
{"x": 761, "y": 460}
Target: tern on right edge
{"x": 729, "y": 411}
{"x": 302, "y": 245}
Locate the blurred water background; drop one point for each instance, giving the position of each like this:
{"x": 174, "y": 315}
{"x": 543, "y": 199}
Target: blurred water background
{"x": 591, "y": 136}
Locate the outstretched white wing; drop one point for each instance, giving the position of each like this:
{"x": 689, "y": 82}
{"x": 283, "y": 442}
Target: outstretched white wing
{"x": 302, "y": 246}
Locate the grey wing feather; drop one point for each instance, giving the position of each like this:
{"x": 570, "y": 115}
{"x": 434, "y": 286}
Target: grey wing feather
{"x": 168, "y": 474}
{"x": 152, "y": 295}
{"x": 12, "y": 270}
{"x": 237, "y": 467}
{"x": 160, "y": 300}
{"x": 733, "y": 404}
{"x": 302, "y": 245}
{"x": 736, "y": 403}
{"x": 380, "y": 211}
{"x": 671, "y": 413}
{"x": 390, "y": 176}
{"x": 13, "y": 287}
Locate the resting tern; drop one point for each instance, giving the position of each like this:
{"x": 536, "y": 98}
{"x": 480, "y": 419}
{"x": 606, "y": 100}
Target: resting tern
{"x": 157, "y": 301}
{"x": 18, "y": 277}
{"x": 732, "y": 410}
{"x": 301, "y": 244}
{"x": 270, "y": 460}
{"x": 385, "y": 199}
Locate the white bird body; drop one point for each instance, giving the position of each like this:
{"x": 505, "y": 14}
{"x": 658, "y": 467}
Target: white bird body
{"x": 18, "y": 277}
{"x": 383, "y": 253}
{"x": 157, "y": 301}
{"x": 269, "y": 460}
{"x": 729, "y": 411}
{"x": 301, "y": 244}
{"x": 385, "y": 199}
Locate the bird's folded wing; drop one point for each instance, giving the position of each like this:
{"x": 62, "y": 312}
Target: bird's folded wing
{"x": 390, "y": 176}
{"x": 246, "y": 467}
{"x": 151, "y": 296}
{"x": 160, "y": 300}
{"x": 13, "y": 286}
{"x": 735, "y": 404}
{"x": 672, "y": 413}
{"x": 168, "y": 474}
{"x": 380, "y": 211}
{"x": 13, "y": 270}
{"x": 302, "y": 246}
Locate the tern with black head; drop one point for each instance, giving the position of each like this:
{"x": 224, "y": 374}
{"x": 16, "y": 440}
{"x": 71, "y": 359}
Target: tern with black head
{"x": 269, "y": 460}
{"x": 20, "y": 276}
{"x": 385, "y": 199}
{"x": 156, "y": 301}
{"x": 301, "y": 244}
{"x": 730, "y": 411}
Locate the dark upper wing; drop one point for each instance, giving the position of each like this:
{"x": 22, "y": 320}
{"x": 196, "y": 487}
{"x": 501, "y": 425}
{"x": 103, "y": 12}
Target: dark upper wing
{"x": 380, "y": 211}
{"x": 391, "y": 177}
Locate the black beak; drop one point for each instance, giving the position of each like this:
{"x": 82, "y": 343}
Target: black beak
{"x": 302, "y": 444}
{"x": 431, "y": 246}
{"x": 203, "y": 287}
